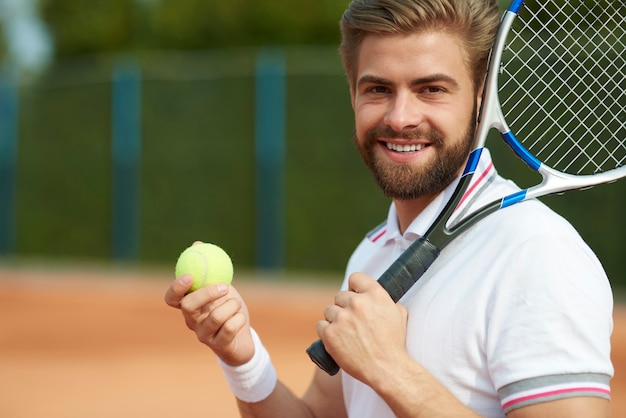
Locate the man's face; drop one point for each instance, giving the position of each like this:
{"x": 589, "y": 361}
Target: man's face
{"x": 415, "y": 111}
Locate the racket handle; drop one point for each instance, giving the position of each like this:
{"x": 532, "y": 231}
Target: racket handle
{"x": 318, "y": 354}
{"x": 397, "y": 280}
{"x": 409, "y": 268}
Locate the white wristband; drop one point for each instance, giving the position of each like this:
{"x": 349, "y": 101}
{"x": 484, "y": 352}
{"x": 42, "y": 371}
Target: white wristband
{"x": 255, "y": 380}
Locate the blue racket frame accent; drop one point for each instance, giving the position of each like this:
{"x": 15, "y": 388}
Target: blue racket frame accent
{"x": 472, "y": 161}
{"x": 513, "y": 198}
{"x": 521, "y": 152}
{"x": 515, "y": 6}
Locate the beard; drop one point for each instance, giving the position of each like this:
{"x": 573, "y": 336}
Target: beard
{"x": 406, "y": 181}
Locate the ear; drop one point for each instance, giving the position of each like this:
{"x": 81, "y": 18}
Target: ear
{"x": 352, "y": 96}
{"x": 479, "y": 99}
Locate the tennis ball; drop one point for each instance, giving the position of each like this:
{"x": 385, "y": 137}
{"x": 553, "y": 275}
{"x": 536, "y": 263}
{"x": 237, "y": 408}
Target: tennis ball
{"x": 207, "y": 264}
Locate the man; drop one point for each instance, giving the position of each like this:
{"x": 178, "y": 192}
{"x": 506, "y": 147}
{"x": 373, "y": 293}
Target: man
{"x": 514, "y": 317}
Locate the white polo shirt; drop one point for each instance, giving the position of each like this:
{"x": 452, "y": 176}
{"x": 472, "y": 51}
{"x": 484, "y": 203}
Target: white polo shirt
{"x": 515, "y": 311}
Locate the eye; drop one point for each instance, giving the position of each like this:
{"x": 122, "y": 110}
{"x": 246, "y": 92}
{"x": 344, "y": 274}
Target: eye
{"x": 433, "y": 90}
{"x": 377, "y": 89}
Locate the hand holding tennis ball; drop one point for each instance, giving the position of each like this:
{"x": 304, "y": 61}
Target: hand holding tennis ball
{"x": 207, "y": 264}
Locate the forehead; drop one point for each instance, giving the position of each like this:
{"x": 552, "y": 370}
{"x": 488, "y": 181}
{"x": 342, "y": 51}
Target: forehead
{"x": 416, "y": 55}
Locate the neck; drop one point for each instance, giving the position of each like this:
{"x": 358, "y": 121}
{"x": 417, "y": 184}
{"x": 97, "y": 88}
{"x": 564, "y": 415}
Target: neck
{"x": 408, "y": 210}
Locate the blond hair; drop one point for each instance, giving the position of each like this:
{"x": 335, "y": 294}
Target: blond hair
{"x": 475, "y": 22}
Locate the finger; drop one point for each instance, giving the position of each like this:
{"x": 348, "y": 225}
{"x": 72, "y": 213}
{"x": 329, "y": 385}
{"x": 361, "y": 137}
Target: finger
{"x": 230, "y": 329}
{"x": 176, "y": 292}
{"x": 361, "y": 283}
{"x": 212, "y": 317}
{"x": 220, "y": 327}
{"x": 331, "y": 312}
{"x": 342, "y": 298}
{"x": 328, "y": 335}
{"x": 203, "y": 299}
{"x": 201, "y": 309}
{"x": 321, "y": 327}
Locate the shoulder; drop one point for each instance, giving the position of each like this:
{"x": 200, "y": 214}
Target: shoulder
{"x": 530, "y": 220}
{"x": 534, "y": 266}
{"x": 534, "y": 243}
{"x": 549, "y": 288}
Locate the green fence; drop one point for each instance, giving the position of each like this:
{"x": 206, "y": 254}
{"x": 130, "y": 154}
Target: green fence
{"x": 197, "y": 167}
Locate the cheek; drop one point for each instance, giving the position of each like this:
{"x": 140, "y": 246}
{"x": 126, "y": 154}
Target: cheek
{"x": 366, "y": 117}
{"x": 455, "y": 122}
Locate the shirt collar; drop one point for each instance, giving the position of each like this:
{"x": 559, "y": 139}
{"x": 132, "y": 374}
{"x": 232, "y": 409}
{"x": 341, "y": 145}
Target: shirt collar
{"x": 391, "y": 232}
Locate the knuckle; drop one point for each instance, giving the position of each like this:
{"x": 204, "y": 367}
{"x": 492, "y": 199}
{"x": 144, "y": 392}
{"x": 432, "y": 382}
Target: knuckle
{"x": 342, "y": 316}
{"x": 328, "y": 312}
{"x": 190, "y": 323}
{"x": 214, "y": 320}
{"x": 358, "y": 305}
{"x": 232, "y": 326}
{"x": 186, "y": 306}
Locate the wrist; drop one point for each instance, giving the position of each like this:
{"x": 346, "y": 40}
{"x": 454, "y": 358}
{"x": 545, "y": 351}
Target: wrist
{"x": 254, "y": 380}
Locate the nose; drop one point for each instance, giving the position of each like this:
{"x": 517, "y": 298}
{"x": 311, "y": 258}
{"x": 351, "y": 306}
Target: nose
{"x": 404, "y": 112}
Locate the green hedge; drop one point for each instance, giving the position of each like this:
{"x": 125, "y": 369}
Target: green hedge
{"x": 198, "y": 165}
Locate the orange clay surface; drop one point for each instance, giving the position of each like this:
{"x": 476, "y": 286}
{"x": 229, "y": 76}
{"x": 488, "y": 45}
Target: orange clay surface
{"x": 104, "y": 344}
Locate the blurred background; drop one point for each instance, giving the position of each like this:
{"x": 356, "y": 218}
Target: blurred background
{"x": 131, "y": 128}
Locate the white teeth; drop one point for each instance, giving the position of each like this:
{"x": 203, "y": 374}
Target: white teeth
{"x": 404, "y": 148}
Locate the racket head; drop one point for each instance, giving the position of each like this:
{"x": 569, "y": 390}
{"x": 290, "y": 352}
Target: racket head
{"x": 555, "y": 90}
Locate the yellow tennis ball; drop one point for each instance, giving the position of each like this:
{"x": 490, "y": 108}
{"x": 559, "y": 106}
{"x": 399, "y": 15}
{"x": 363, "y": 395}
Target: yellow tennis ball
{"x": 207, "y": 264}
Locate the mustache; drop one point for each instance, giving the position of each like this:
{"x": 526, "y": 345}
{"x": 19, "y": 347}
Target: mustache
{"x": 384, "y": 131}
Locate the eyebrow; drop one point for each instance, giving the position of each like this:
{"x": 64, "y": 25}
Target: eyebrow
{"x": 432, "y": 78}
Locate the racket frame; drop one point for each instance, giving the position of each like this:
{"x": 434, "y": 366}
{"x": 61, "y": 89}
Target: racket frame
{"x": 417, "y": 258}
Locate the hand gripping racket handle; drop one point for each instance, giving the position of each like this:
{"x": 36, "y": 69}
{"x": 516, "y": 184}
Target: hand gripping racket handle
{"x": 397, "y": 280}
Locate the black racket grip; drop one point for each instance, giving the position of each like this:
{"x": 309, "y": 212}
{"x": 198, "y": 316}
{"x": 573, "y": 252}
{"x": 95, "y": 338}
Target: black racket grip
{"x": 318, "y": 354}
{"x": 396, "y": 280}
{"x": 409, "y": 268}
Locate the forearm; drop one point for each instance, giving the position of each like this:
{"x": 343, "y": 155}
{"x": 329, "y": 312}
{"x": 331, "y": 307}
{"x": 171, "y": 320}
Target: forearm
{"x": 258, "y": 392}
{"x": 412, "y": 392}
{"x": 281, "y": 403}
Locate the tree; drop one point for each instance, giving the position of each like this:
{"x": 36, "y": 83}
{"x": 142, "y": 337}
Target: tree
{"x": 212, "y": 23}
{"x": 80, "y": 27}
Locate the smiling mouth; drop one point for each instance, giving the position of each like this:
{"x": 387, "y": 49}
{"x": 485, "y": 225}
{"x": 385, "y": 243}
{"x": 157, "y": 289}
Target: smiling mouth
{"x": 405, "y": 148}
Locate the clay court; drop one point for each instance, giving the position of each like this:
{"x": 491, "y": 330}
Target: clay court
{"x": 103, "y": 344}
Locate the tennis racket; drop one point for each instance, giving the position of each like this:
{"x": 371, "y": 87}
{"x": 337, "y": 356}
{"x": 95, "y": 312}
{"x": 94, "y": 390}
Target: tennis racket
{"x": 555, "y": 92}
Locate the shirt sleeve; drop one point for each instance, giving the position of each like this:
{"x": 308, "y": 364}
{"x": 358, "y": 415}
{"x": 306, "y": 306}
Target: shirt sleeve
{"x": 550, "y": 324}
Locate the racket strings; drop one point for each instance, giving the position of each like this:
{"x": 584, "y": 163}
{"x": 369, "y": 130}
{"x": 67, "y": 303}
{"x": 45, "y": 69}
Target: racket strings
{"x": 562, "y": 84}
